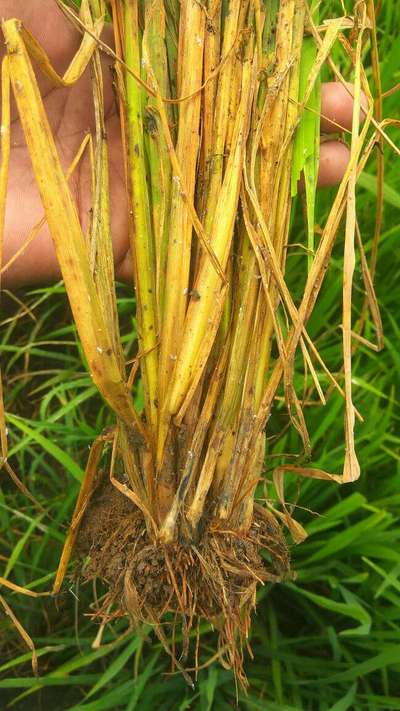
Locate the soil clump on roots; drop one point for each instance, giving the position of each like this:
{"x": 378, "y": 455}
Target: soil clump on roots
{"x": 214, "y": 578}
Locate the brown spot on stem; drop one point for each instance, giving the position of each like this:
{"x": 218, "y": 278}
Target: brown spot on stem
{"x": 95, "y": 368}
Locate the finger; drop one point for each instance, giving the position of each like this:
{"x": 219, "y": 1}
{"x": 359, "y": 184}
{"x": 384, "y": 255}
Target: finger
{"x": 123, "y": 270}
{"x": 337, "y": 106}
{"x": 334, "y": 159}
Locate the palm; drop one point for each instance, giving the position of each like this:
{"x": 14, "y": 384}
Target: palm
{"x": 71, "y": 115}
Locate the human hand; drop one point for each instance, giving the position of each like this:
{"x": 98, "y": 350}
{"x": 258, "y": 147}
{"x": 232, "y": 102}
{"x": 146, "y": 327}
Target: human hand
{"x": 70, "y": 114}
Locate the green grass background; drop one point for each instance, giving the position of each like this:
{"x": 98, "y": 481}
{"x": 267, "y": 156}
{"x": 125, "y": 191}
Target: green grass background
{"x": 329, "y": 640}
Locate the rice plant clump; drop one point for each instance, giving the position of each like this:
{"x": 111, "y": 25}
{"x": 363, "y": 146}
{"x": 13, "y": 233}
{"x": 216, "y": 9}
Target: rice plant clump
{"x": 219, "y": 105}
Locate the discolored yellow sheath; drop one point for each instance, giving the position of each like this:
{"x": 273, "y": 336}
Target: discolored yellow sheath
{"x": 212, "y": 51}
{"x": 191, "y": 39}
{"x": 155, "y": 56}
{"x": 142, "y": 245}
{"x": 85, "y": 492}
{"x": 4, "y": 167}
{"x": 5, "y": 145}
{"x": 248, "y": 287}
{"x": 196, "y": 346}
{"x": 351, "y": 469}
{"x": 222, "y": 119}
{"x": 65, "y": 228}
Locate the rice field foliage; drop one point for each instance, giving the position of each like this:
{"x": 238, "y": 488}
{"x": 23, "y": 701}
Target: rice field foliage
{"x": 236, "y": 339}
